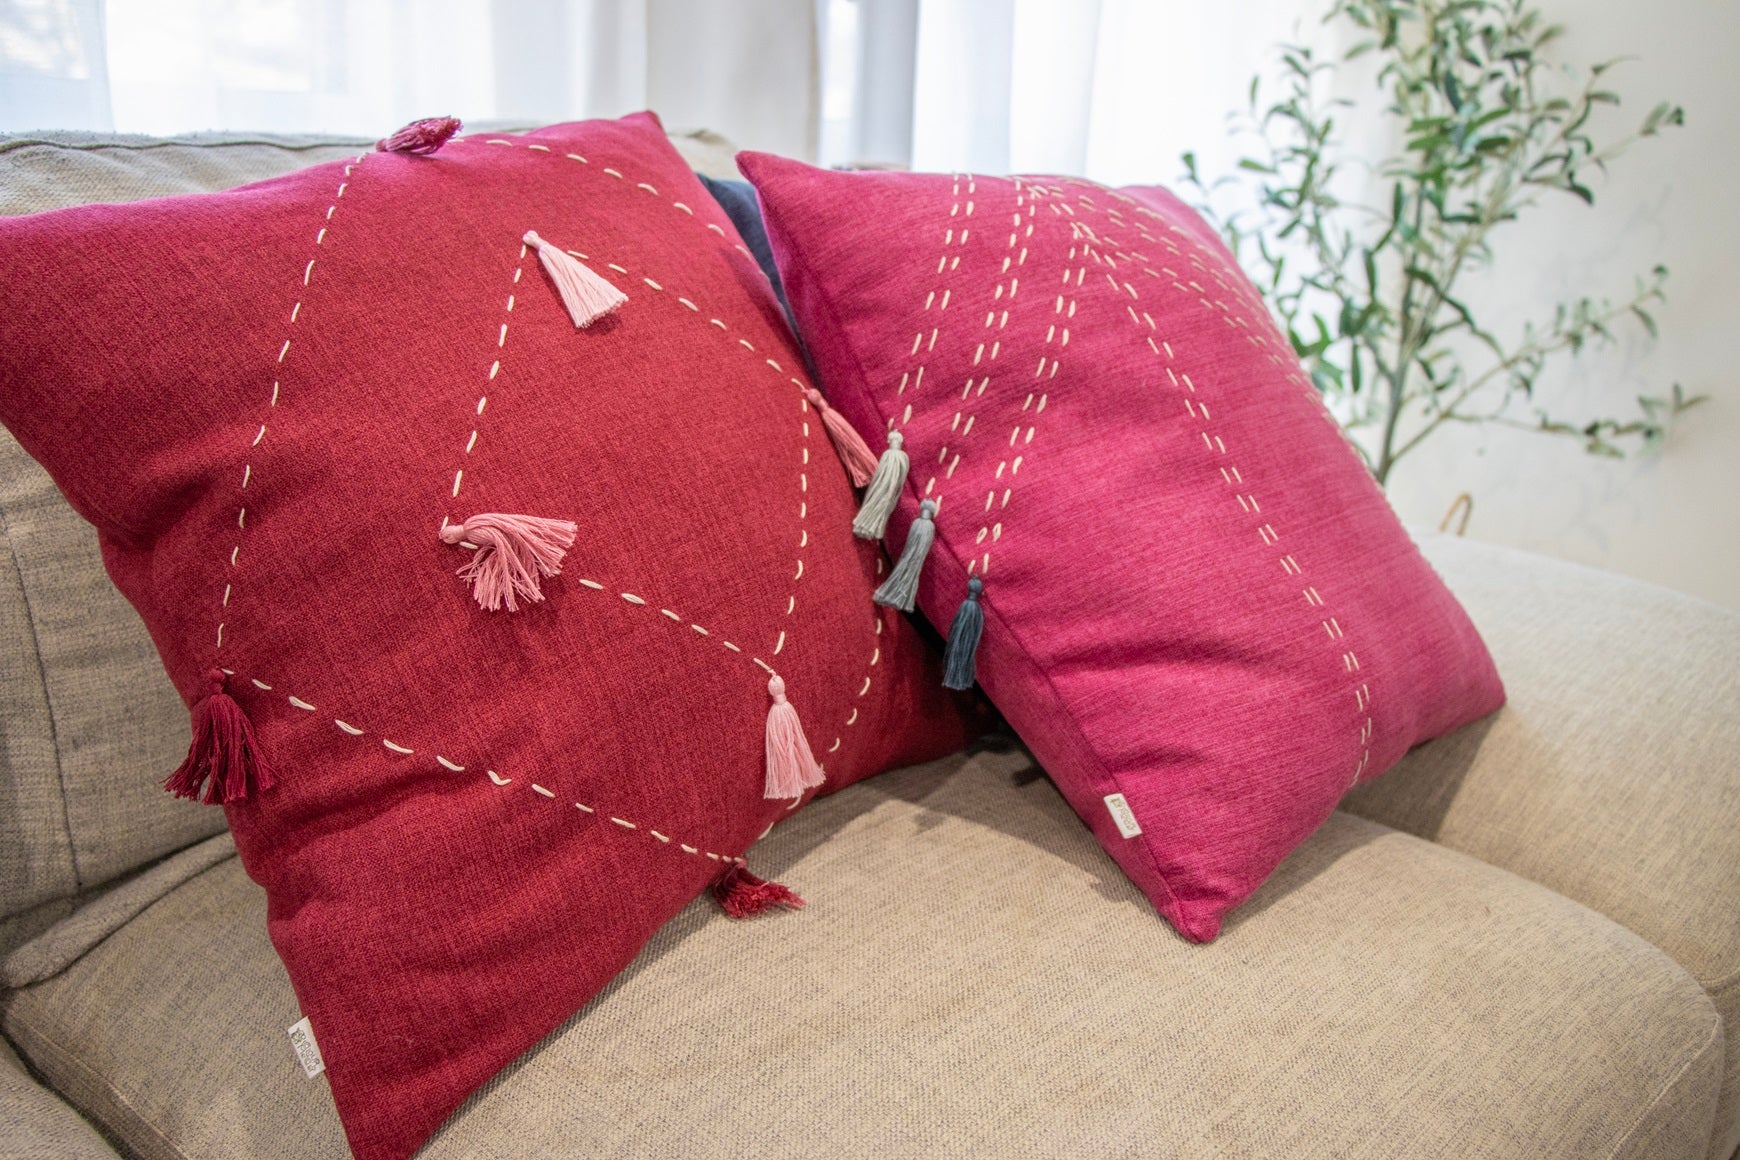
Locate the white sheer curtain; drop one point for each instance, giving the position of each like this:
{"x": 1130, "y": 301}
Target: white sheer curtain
{"x": 1115, "y": 90}
{"x": 747, "y": 68}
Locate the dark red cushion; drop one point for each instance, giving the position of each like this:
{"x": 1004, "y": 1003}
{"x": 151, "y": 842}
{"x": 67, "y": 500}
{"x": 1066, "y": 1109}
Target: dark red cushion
{"x": 269, "y": 401}
{"x": 1199, "y": 610}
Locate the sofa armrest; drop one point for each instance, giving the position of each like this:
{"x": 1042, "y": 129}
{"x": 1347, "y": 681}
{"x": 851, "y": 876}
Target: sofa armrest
{"x": 34, "y": 1122}
{"x": 1612, "y": 775}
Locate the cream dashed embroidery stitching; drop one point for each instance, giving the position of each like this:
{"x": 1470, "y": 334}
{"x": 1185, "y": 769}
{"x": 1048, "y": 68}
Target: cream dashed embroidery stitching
{"x": 494, "y": 370}
{"x": 777, "y": 368}
{"x": 502, "y": 780}
{"x": 803, "y": 504}
{"x": 612, "y": 172}
{"x": 1027, "y": 200}
{"x": 676, "y": 619}
{"x": 272, "y": 402}
{"x": 1200, "y": 414}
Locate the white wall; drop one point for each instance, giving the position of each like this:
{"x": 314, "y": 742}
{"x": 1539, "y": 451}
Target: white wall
{"x": 1672, "y": 518}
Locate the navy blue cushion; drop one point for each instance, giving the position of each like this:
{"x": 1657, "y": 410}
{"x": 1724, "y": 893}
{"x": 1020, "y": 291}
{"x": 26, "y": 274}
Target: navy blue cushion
{"x": 737, "y": 199}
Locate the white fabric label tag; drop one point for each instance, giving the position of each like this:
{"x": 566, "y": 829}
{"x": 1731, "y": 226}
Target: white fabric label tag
{"x": 307, "y": 1051}
{"x": 1123, "y": 815}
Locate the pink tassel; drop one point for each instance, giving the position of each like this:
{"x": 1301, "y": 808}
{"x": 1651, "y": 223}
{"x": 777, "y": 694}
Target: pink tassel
{"x": 791, "y": 767}
{"x": 587, "y": 296}
{"x": 420, "y": 137}
{"x": 224, "y": 763}
{"x": 512, "y": 553}
{"x": 860, "y": 461}
{"x": 743, "y": 895}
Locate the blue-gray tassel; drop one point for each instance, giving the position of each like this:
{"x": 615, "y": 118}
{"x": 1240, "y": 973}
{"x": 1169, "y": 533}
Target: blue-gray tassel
{"x": 883, "y": 491}
{"x": 900, "y": 590}
{"x": 963, "y": 646}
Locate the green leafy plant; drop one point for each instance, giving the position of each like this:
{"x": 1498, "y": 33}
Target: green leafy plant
{"x": 1369, "y": 294}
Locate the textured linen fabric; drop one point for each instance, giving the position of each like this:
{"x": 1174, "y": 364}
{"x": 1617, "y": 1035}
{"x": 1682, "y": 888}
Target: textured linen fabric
{"x": 1195, "y": 596}
{"x": 58, "y": 947}
{"x": 1613, "y": 775}
{"x": 270, "y": 401}
{"x": 89, "y": 723}
{"x": 35, "y": 1124}
{"x": 42, "y": 171}
{"x": 974, "y": 977}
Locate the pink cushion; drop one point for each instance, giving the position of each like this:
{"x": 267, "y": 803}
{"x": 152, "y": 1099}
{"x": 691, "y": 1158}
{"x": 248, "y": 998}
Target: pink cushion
{"x": 269, "y": 400}
{"x": 1195, "y": 595}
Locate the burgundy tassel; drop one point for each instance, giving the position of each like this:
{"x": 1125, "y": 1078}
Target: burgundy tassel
{"x": 860, "y": 461}
{"x": 420, "y": 137}
{"x": 743, "y": 895}
{"x": 512, "y": 553}
{"x": 224, "y": 763}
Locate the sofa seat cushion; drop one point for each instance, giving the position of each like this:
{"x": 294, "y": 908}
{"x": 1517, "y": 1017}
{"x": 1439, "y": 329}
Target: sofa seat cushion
{"x": 973, "y": 975}
{"x": 1613, "y": 776}
{"x": 36, "y": 1124}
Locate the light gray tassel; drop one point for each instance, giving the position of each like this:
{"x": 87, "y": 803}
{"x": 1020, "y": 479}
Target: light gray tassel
{"x": 900, "y": 590}
{"x": 883, "y": 492}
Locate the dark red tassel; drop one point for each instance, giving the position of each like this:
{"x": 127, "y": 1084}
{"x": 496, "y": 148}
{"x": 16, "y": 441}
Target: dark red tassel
{"x": 421, "y": 137}
{"x": 224, "y": 763}
{"x": 743, "y": 895}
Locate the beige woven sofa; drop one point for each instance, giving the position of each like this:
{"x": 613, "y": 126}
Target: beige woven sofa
{"x": 1524, "y": 942}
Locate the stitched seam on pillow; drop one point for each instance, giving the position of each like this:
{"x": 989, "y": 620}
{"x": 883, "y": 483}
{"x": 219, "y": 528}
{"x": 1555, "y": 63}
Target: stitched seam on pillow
{"x": 277, "y": 372}
{"x": 683, "y": 207}
{"x": 355, "y": 732}
{"x": 1248, "y": 502}
{"x": 791, "y": 605}
{"x": 778, "y": 368}
{"x": 804, "y": 407}
{"x": 494, "y": 370}
{"x": 861, "y": 385}
{"x": 1031, "y": 194}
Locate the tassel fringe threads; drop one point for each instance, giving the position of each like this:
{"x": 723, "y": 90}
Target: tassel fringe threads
{"x": 512, "y": 553}
{"x": 420, "y": 137}
{"x": 884, "y": 490}
{"x": 791, "y": 767}
{"x": 743, "y": 895}
{"x": 586, "y": 294}
{"x": 224, "y": 763}
{"x": 854, "y": 453}
{"x": 961, "y": 653}
{"x": 900, "y": 590}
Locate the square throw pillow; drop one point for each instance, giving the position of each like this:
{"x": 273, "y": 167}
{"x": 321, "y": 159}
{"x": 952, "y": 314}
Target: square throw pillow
{"x": 504, "y": 636}
{"x": 1194, "y": 604}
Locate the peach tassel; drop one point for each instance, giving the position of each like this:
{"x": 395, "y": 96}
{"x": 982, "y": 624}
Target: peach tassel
{"x": 791, "y": 767}
{"x": 512, "y": 553}
{"x": 585, "y": 293}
